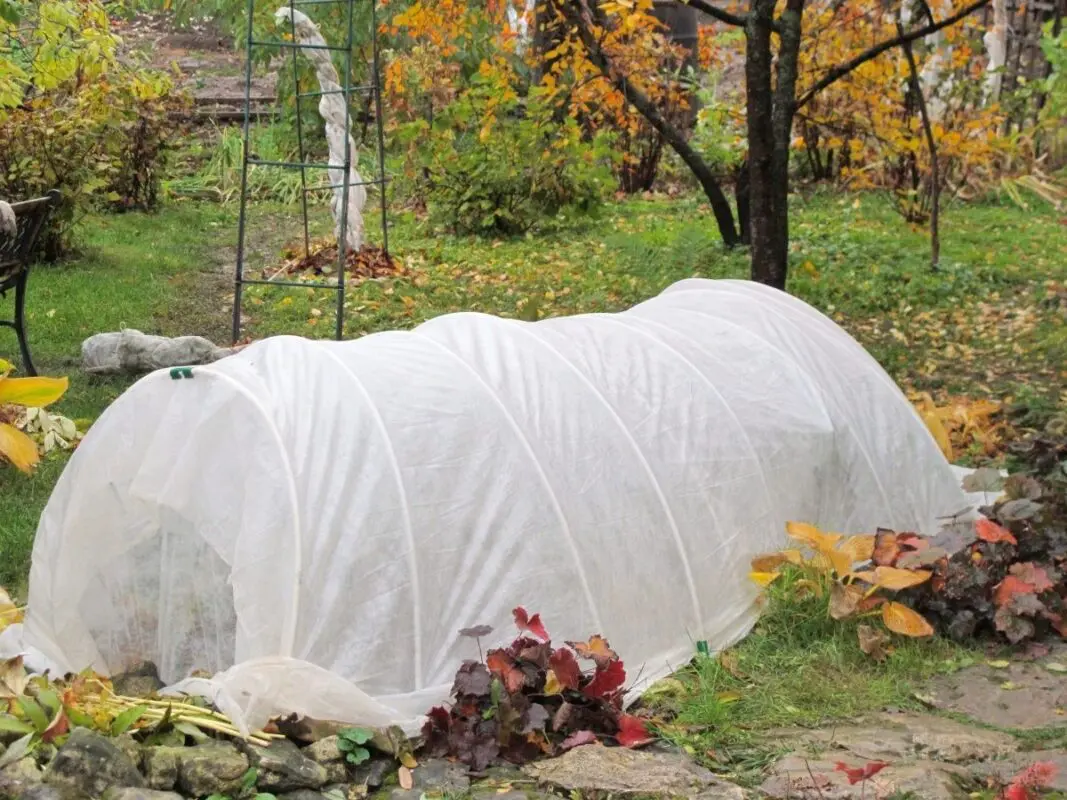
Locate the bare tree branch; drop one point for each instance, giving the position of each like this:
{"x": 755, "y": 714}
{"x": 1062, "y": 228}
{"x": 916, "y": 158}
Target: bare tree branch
{"x": 721, "y": 14}
{"x": 919, "y": 33}
{"x": 581, "y": 17}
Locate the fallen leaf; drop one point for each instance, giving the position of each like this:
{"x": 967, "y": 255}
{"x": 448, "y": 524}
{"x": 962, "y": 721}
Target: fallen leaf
{"x": 893, "y": 578}
{"x": 407, "y": 780}
{"x": 1001, "y": 664}
{"x": 771, "y": 561}
{"x": 764, "y": 579}
{"x": 860, "y": 774}
{"x": 872, "y": 642}
{"x": 632, "y": 731}
{"x": 858, "y": 548}
{"x": 1055, "y": 666}
{"x": 13, "y": 678}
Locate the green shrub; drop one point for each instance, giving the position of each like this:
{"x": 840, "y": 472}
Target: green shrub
{"x": 493, "y": 163}
{"x": 73, "y": 118}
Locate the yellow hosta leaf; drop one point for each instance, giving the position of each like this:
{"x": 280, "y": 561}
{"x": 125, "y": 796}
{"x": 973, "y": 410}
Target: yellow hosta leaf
{"x": 812, "y": 536}
{"x": 858, "y": 548}
{"x": 5, "y": 367}
{"x": 32, "y": 392}
{"x": 903, "y": 620}
{"x": 771, "y": 561}
{"x": 833, "y": 560}
{"x": 764, "y": 578}
{"x": 893, "y": 578}
{"x": 939, "y": 432}
{"x": 17, "y": 447}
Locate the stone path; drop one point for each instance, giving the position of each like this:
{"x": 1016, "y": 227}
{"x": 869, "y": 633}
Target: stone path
{"x": 985, "y": 724}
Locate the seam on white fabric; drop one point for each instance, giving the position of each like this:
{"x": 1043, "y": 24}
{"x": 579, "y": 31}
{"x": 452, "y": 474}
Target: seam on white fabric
{"x": 289, "y": 625}
{"x": 413, "y": 566}
{"x": 677, "y": 535}
{"x": 863, "y": 450}
{"x": 565, "y": 526}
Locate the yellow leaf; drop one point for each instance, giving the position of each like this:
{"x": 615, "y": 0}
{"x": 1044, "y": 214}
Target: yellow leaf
{"x": 893, "y": 578}
{"x": 771, "y": 561}
{"x": 17, "y": 447}
{"x": 903, "y": 620}
{"x": 31, "y": 392}
{"x": 5, "y": 367}
{"x": 552, "y": 684}
{"x": 764, "y": 578}
{"x": 940, "y": 434}
{"x": 858, "y": 548}
{"x": 812, "y": 536}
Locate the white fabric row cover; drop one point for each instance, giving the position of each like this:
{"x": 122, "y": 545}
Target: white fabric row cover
{"x": 312, "y": 522}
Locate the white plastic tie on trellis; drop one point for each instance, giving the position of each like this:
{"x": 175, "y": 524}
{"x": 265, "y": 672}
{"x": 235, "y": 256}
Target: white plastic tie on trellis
{"x": 333, "y": 106}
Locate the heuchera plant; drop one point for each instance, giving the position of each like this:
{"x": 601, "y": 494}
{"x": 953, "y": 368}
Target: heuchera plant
{"x": 531, "y": 699}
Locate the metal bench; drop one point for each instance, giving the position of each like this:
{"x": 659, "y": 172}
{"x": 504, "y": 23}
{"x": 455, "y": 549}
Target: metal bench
{"x": 15, "y": 258}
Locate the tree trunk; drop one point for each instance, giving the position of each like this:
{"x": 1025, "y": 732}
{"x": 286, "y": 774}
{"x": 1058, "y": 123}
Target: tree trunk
{"x": 759, "y": 106}
{"x": 928, "y": 132}
{"x": 785, "y": 98}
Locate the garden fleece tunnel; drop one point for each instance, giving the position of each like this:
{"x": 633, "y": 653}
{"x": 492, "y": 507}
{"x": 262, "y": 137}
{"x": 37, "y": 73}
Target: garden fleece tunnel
{"x": 312, "y": 522}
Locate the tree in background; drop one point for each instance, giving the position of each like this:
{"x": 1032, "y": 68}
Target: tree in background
{"x": 773, "y": 97}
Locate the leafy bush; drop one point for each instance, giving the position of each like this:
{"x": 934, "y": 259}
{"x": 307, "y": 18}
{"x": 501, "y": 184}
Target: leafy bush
{"x": 530, "y": 699}
{"x": 495, "y": 164}
{"x": 73, "y": 118}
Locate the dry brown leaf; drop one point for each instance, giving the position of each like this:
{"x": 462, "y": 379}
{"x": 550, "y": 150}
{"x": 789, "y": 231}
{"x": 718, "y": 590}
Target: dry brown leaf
{"x": 844, "y": 600}
{"x": 893, "y": 578}
{"x": 407, "y": 780}
{"x": 13, "y": 678}
{"x": 873, "y": 642}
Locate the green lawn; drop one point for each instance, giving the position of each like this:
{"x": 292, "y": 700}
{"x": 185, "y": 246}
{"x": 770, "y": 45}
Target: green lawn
{"x": 988, "y": 323}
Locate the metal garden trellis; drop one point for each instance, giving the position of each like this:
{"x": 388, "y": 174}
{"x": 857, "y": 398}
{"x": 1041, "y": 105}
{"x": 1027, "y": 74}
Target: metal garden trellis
{"x": 249, "y": 159}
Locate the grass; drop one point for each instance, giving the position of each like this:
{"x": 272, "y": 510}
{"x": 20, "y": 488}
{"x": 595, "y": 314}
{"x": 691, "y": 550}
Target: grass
{"x": 798, "y": 668}
{"x": 989, "y": 323}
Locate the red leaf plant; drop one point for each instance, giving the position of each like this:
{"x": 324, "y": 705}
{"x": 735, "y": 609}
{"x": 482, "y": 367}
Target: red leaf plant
{"x": 530, "y": 700}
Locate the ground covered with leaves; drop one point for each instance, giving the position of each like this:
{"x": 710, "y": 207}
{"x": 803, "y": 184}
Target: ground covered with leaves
{"x": 990, "y": 324}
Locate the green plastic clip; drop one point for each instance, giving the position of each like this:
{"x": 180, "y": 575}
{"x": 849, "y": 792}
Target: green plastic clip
{"x": 702, "y": 648}
{"x": 181, "y": 372}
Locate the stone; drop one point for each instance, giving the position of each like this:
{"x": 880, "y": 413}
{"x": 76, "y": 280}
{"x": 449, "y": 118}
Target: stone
{"x": 630, "y": 773}
{"x": 895, "y": 737}
{"x": 141, "y": 681}
{"x": 161, "y": 766}
{"x": 302, "y": 794}
{"x": 215, "y": 768}
{"x": 128, "y": 793}
{"x": 325, "y": 751}
{"x": 438, "y": 775}
{"x": 336, "y": 772}
{"x": 46, "y": 791}
{"x": 1025, "y": 695}
{"x": 92, "y": 764}
{"x": 282, "y": 767}
{"x": 1004, "y": 769}
{"x": 131, "y": 351}
{"x": 800, "y": 777}
{"x": 18, "y": 778}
